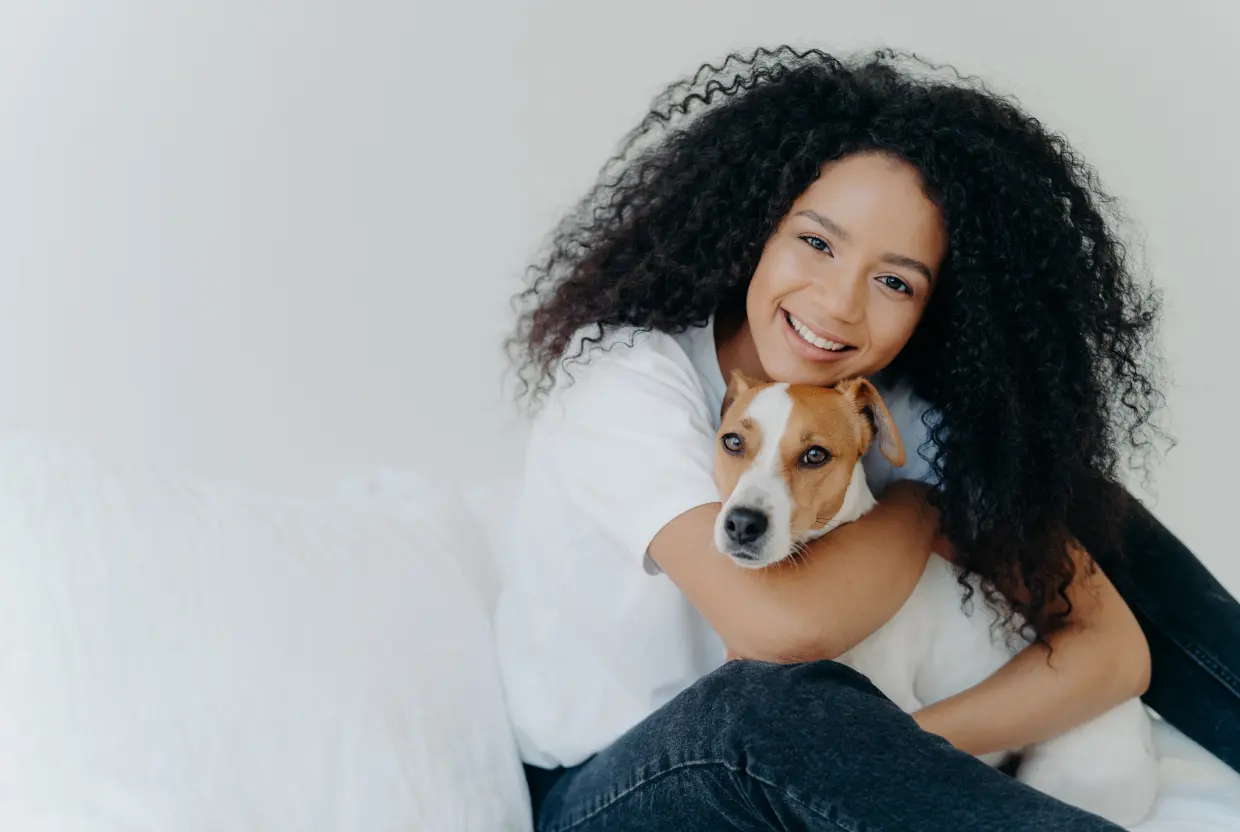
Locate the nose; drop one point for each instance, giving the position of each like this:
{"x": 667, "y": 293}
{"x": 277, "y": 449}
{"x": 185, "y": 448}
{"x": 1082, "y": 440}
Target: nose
{"x": 744, "y": 525}
{"x": 843, "y": 297}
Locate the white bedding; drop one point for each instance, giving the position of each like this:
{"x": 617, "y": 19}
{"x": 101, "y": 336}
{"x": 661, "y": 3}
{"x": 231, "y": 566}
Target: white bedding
{"x": 178, "y": 658}
{"x": 1196, "y": 792}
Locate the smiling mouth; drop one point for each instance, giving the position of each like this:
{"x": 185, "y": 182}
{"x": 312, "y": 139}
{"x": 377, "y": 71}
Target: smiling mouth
{"x": 806, "y": 334}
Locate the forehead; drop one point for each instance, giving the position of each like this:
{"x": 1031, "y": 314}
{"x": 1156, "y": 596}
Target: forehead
{"x": 823, "y": 415}
{"x": 796, "y": 415}
{"x": 765, "y": 410}
{"x": 880, "y": 201}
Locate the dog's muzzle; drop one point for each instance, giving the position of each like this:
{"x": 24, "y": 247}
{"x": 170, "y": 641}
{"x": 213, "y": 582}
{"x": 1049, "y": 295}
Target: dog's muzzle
{"x": 745, "y": 526}
{"x": 745, "y": 530}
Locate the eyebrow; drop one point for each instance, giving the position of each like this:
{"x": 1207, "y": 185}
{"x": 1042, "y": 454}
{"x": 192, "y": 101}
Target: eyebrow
{"x": 888, "y": 257}
{"x": 826, "y": 223}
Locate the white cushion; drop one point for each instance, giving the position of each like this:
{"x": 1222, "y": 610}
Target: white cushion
{"x": 492, "y": 510}
{"x": 177, "y": 657}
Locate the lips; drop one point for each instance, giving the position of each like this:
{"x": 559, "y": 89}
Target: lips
{"x": 818, "y": 340}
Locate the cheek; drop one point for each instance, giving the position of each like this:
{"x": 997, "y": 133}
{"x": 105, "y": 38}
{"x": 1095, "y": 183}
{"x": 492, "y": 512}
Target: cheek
{"x": 890, "y": 329}
{"x": 817, "y": 500}
{"x": 777, "y": 276}
{"x": 803, "y": 518}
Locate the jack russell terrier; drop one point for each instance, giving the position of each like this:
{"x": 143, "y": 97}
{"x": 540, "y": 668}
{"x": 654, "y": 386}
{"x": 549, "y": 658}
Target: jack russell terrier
{"x": 788, "y": 467}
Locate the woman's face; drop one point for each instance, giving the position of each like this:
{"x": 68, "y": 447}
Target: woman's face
{"x": 846, "y": 276}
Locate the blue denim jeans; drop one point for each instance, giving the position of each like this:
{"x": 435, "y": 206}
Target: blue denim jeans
{"x": 757, "y": 746}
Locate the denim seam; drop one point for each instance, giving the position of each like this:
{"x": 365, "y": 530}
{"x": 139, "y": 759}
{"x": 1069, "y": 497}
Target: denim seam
{"x": 615, "y": 798}
{"x": 837, "y": 820}
{"x": 1215, "y": 668}
{"x": 1196, "y": 652}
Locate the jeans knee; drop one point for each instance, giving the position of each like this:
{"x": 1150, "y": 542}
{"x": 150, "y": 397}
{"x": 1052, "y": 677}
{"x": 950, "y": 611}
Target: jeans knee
{"x": 752, "y": 704}
{"x": 790, "y": 681}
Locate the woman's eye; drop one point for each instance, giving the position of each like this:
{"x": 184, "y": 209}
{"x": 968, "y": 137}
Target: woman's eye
{"x": 733, "y": 444}
{"x": 816, "y": 243}
{"x": 815, "y": 457}
{"x": 895, "y": 283}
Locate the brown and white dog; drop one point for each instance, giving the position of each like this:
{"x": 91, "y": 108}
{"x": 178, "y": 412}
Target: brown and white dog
{"x": 788, "y": 467}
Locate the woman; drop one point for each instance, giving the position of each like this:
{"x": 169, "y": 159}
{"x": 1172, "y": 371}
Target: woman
{"x": 808, "y": 220}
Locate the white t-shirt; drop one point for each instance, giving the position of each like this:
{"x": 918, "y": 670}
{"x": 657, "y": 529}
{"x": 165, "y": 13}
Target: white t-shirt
{"x": 592, "y": 637}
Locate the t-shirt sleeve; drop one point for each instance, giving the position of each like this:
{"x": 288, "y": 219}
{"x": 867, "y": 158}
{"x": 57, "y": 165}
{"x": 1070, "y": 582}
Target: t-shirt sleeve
{"x": 625, "y": 443}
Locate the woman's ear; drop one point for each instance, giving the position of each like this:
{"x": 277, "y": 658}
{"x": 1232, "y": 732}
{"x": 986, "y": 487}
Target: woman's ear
{"x": 869, "y": 404}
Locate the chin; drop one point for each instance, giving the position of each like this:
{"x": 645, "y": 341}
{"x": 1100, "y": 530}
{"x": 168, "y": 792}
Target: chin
{"x": 790, "y": 370}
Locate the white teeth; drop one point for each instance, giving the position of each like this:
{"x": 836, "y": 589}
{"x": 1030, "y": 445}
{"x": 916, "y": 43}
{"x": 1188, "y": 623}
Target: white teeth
{"x": 810, "y": 338}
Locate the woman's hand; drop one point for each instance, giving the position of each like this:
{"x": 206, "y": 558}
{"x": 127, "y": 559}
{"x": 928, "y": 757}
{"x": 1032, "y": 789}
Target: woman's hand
{"x": 1098, "y": 660}
{"x": 847, "y": 585}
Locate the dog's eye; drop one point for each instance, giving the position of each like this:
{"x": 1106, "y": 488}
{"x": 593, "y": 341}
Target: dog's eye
{"x": 815, "y": 457}
{"x": 733, "y": 444}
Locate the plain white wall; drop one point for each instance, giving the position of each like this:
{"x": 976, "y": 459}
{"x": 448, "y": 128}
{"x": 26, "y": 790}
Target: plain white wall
{"x": 274, "y": 242}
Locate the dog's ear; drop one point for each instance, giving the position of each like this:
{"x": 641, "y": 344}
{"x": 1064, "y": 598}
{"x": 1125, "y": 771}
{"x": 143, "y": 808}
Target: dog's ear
{"x": 869, "y": 404}
{"x": 739, "y": 384}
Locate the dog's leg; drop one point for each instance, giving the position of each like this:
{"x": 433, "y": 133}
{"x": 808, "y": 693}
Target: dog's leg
{"x": 1106, "y": 766}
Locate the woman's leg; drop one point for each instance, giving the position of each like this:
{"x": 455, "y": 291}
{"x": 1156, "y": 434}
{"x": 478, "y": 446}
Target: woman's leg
{"x": 758, "y": 746}
{"x": 1193, "y": 627}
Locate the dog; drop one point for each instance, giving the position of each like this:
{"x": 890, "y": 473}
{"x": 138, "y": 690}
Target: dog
{"x": 788, "y": 468}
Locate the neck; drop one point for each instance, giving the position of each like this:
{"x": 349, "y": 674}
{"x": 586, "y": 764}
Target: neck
{"x": 736, "y": 350}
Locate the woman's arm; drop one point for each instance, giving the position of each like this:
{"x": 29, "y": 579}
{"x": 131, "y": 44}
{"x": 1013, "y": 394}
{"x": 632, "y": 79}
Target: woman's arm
{"x": 846, "y": 586}
{"x": 1099, "y": 659}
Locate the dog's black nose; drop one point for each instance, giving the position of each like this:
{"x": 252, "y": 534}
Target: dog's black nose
{"x": 744, "y": 525}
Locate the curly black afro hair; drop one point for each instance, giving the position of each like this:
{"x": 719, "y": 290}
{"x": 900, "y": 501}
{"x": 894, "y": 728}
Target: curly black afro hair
{"x": 1035, "y": 349}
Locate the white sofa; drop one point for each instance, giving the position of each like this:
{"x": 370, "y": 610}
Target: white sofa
{"x": 182, "y": 657}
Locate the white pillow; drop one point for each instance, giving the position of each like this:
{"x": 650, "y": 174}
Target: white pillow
{"x": 491, "y": 503}
{"x": 176, "y": 657}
